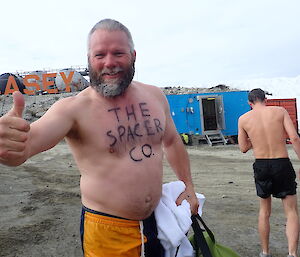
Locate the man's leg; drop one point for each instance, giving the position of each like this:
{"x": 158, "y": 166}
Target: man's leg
{"x": 264, "y": 223}
{"x": 292, "y": 222}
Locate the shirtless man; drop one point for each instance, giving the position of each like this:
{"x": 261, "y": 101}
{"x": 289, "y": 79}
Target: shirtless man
{"x": 118, "y": 131}
{"x": 264, "y": 129}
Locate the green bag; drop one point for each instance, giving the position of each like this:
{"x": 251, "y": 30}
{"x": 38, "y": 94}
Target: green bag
{"x": 204, "y": 243}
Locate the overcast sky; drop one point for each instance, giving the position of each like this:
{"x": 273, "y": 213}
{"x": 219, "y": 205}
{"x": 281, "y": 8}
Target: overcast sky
{"x": 178, "y": 43}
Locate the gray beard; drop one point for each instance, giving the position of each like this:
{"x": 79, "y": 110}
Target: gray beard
{"x": 113, "y": 88}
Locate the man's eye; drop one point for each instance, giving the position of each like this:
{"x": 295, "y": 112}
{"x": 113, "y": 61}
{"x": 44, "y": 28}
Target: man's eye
{"x": 119, "y": 54}
{"x": 99, "y": 56}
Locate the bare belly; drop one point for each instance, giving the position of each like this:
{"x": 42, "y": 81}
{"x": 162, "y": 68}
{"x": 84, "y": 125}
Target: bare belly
{"x": 128, "y": 192}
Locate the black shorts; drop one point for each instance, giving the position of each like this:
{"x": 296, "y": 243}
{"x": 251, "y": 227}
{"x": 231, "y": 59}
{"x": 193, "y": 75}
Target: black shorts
{"x": 274, "y": 176}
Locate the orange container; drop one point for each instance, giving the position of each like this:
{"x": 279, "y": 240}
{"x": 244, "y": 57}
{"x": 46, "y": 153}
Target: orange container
{"x": 289, "y": 104}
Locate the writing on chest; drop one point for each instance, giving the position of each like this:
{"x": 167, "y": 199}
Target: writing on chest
{"x": 132, "y": 122}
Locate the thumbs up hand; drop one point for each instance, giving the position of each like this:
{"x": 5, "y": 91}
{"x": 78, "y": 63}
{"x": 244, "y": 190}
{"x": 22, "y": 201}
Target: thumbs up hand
{"x": 14, "y": 132}
{"x": 18, "y": 105}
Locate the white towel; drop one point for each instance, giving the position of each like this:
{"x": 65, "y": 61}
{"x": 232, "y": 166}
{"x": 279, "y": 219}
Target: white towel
{"x": 173, "y": 222}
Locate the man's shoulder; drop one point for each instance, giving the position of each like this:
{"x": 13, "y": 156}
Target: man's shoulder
{"x": 71, "y": 101}
{"x": 87, "y": 92}
{"x": 145, "y": 86}
{"x": 276, "y": 110}
{"x": 246, "y": 115}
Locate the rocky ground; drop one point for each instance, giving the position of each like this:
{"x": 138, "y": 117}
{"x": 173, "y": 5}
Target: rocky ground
{"x": 40, "y": 203}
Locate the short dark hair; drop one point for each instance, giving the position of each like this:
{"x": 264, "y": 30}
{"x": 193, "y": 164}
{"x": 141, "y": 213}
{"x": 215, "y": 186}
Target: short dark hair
{"x": 256, "y": 95}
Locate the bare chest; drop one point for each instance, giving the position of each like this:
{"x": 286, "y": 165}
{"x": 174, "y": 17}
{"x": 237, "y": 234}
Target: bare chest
{"x": 133, "y": 123}
{"x": 126, "y": 128}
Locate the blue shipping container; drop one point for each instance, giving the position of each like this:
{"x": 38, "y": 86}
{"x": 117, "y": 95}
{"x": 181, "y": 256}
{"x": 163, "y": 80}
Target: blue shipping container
{"x": 201, "y": 113}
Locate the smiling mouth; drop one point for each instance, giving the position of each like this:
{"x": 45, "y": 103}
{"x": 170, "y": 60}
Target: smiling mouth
{"x": 111, "y": 74}
{"x": 108, "y": 78}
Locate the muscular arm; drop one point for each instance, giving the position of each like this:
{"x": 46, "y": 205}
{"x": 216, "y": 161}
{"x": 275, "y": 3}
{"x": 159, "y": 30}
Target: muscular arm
{"x": 291, "y": 131}
{"x": 243, "y": 139}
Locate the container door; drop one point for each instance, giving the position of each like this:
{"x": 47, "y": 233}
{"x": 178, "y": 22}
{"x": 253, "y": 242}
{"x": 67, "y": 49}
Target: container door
{"x": 220, "y": 112}
{"x": 211, "y": 112}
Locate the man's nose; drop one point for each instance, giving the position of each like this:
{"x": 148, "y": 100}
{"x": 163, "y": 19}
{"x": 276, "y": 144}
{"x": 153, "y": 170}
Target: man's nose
{"x": 110, "y": 61}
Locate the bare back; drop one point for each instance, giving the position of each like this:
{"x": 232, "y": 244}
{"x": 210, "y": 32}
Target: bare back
{"x": 264, "y": 126}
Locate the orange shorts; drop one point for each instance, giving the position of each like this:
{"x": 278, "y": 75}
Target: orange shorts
{"x": 109, "y": 236}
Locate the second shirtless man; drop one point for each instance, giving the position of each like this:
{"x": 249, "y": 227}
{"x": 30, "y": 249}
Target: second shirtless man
{"x": 264, "y": 129}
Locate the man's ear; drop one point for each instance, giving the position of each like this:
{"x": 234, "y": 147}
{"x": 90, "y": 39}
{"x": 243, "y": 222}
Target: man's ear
{"x": 251, "y": 104}
{"x": 134, "y": 55}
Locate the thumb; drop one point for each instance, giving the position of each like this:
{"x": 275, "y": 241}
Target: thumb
{"x": 18, "y": 105}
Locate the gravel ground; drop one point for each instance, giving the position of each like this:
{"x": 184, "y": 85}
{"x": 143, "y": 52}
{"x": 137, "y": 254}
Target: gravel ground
{"x": 40, "y": 203}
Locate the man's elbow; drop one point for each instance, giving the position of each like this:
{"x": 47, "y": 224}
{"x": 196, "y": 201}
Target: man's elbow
{"x": 172, "y": 140}
{"x": 295, "y": 139}
{"x": 244, "y": 149}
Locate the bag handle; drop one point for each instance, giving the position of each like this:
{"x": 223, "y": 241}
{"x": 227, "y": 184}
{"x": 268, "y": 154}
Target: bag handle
{"x": 199, "y": 239}
{"x": 211, "y": 235}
